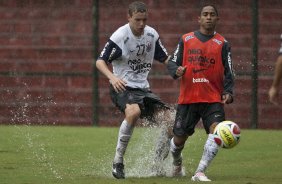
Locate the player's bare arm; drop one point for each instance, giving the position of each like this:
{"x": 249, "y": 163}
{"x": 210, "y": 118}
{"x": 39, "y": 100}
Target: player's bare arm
{"x": 117, "y": 83}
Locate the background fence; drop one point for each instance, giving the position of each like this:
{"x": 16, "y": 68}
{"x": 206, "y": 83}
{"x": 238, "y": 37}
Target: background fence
{"x": 48, "y": 49}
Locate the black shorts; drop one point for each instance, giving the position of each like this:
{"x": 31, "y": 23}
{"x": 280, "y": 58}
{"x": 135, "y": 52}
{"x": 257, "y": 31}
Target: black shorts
{"x": 188, "y": 115}
{"x": 148, "y": 102}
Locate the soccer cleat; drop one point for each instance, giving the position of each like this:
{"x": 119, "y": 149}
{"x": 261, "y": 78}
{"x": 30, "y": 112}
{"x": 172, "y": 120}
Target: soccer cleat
{"x": 199, "y": 176}
{"x": 118, "y": 170}
{"x": 178, "y": 171}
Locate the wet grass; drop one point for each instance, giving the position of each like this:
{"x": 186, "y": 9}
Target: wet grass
{"x": 39, "y": 154}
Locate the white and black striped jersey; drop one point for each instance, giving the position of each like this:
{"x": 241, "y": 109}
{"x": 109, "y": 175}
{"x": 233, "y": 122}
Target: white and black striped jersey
{"x": 132, "y": 57}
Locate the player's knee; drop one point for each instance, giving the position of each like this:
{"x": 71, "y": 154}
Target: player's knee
{"x": 132, "y": 111}
{"x": 180, "y": 140}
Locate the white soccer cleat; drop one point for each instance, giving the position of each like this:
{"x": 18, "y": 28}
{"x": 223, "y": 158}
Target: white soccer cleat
{"x": 199, "y": 176}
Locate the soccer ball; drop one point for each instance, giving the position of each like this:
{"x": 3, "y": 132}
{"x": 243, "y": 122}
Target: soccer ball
{"x": 227, "y": 134}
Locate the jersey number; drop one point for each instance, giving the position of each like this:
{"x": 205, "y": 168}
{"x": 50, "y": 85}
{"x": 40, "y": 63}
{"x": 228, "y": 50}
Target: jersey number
{"x": 141, "y": 49}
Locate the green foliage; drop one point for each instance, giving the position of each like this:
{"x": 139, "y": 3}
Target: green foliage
{"x": 53, "y": 154}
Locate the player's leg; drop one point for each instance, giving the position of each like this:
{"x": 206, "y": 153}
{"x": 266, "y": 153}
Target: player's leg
{"x": 164, "y": 120}
{"x": 162, "y": 116}
{"x": 210, "y": 151}
{"x": 184, "y": 125}
{"x": 176, "y": 147}
{"x": 213, "y": 115}
{"x": 127, "y": 102}
{"x": 132, "y": 113}
{"x": 163, "y": 144}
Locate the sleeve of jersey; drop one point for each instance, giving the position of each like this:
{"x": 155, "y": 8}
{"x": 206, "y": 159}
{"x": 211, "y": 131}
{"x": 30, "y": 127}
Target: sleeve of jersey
{"x": 110, "y": 52}
{"x": 175, "y": 60}
{"x": 160, "y": 52}
{"x": 228, "y": 69}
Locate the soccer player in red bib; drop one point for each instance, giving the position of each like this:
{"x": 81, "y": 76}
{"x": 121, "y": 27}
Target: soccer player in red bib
{"x": 202, "y": 61}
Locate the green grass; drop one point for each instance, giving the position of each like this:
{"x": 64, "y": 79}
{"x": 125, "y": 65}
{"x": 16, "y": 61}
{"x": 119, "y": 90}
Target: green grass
{"x": 36, "y": 154}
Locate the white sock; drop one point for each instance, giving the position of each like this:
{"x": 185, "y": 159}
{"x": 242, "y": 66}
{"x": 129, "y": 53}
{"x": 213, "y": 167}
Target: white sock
{"x": 176, "y": 153}
{"x": 210, "y": 151}
{"x": 125, "y": 132}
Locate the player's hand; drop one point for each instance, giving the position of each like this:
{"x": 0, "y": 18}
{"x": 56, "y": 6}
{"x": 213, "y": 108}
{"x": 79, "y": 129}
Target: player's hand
{"x": 180, "y": 71}
{"x": 226, "y": 98}
{"x": 273, "y": 95}
{"x": 118, "y": 84}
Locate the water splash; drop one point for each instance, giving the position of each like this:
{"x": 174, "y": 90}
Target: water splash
{"x": 28, "y": 109}
{"x": 142, "y": 155}
{"x": 138, "y": 159}
{"x": 38, "y": 152}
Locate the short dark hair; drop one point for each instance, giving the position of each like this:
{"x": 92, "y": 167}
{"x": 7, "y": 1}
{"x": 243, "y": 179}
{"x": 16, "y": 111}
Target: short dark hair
{"x": 212, "y": 5}
{"x": 137, "y": 6}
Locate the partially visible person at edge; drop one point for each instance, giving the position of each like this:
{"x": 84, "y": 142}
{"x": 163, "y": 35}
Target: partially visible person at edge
{"x": 202, "y": 61}
{"x": 274, "y": 89}
{"x": 131, "y": 50}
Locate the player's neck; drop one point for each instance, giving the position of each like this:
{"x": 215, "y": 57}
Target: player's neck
{"x": 136, "y": 34}
{"x": 207, "y": 31}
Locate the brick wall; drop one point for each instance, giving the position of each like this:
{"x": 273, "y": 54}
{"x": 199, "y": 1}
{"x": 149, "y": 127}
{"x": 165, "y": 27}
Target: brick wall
{"x": 46, "y": 61}
{"x": 46, "y": 57}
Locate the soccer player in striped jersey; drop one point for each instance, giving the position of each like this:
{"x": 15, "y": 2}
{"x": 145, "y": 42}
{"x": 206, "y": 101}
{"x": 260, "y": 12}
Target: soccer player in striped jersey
{"x": 131, "y": 50}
